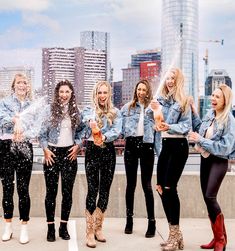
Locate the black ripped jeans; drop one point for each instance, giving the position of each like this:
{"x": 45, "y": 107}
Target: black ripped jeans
{"x": 17, "y": 158}
{"x": 135, "y": 151}
{"x": 212, "y": 172}
{"x": 99, "y": 166}
{"x": 68, "y": 170}
{"x": 170, "y": 166}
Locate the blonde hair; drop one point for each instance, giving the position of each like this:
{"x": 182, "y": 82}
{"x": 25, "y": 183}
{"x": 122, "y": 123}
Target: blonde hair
{"x": 29, "y": 89}
{"x": 107, "y": 110}
{"x": 222, "y": 118}
{"x": 177, "y": 93}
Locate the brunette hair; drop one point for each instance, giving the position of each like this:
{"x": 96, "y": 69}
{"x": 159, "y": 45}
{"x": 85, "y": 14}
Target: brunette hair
{"x": 57, "y": 108}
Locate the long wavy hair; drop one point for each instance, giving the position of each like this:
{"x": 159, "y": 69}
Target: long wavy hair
{"x": 29, "y": 86}
{"x": 222, "y": 118}
{"x": 177, "y": 93}
{"x": 108, "y": 109}
{"x": 149, "y": 94}
{"x": 57, "y": 107}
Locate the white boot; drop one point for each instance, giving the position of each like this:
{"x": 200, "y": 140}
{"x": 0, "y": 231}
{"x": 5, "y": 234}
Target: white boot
{"x": 7, "y": 232}
{"x": 24, "y": 237}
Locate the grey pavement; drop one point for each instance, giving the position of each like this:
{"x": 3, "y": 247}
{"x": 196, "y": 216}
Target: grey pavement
{"x": 195, "y": 231}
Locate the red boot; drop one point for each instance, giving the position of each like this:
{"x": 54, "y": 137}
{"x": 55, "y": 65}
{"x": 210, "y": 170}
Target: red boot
{"x": 219, "y": 232}
{"x": 212, "y": 243}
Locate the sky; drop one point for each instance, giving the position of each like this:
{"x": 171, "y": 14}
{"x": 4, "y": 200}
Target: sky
{"x": 27, "y": 26}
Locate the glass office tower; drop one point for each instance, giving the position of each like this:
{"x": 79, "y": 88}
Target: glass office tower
{"x": 180, "y": 40}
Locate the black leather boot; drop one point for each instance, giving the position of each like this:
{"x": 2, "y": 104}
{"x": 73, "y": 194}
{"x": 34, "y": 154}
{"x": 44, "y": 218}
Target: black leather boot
{"x": 129, "y": 225}
{"x": 63, "y": 232}
{"x": 151, "y": 229}
{"x": 51, "y": 232}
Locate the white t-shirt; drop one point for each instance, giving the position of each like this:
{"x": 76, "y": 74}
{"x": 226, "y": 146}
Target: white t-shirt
{"x": 140, "y": 126}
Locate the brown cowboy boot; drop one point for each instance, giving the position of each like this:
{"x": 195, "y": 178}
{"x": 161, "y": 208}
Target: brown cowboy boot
{"x": 176, "y": 240}
{"x": 90, "y": 229}
{"x": 98, "y": 225}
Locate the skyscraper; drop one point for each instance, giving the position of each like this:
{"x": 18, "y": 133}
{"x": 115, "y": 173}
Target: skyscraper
{"x": 57, "y": 64}
{"x": 180, "y": 40}
{"x": 98, "y": 41}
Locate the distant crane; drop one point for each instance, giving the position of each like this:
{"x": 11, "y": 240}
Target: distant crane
{"x": 206, "y": 54}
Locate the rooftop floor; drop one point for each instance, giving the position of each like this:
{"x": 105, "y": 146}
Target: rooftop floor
{"x": 195, "y": 232}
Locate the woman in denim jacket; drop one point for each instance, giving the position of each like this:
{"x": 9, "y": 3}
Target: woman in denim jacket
{"x": 138, "y": 130}
{"x": 215, "y": 141}
{"x": 100, "y": 158}
{"x": 17, "y": 156}
{"x": 60, "y": 138}
{"x": 174, "y": 153}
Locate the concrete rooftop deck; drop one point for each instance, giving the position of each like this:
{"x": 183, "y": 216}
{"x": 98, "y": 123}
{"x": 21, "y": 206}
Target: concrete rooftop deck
{"x": 195, "y": 232}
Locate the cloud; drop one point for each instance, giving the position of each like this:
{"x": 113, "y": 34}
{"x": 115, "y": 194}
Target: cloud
{"x": 24, "y": 5}
{"x": 13, "y": 35}
{"x": 32, "y": 19}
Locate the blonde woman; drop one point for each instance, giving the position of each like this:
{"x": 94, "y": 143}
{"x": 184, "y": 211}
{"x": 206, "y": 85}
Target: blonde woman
{"x": 100, "y": 157}
{"x": 216, "y": 143}
{"x": 174, "y": 152}
{"x": 17, "y": 156}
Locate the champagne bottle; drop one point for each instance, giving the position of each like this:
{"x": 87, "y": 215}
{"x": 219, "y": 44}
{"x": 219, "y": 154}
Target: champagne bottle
{"x": 97, "y": 136}
{"x": 158, "y": 116}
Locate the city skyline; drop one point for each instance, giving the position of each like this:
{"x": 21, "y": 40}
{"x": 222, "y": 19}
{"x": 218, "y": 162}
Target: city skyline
{"x": 26, "y": 27}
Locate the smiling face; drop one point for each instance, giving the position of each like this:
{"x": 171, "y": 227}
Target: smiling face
{"x": 65, "y": 94}
{"x": 217, "y": 100}
{"x": 103, "y": 94}
{"x": 141, "y": 92}
{"x": 170, "y": 81}
{"x": 21, "y": 87}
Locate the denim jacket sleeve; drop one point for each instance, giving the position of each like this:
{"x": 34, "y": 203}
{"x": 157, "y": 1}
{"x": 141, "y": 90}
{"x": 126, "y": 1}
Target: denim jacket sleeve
{"x": 222, "y": 143}
{"x": 6, "y": 115}
{"x": 183, "y": 125}
{"x": 196, "y": 122}
{"x": 44, "y": 132}
{"x": 115, "y": 129}
{"x": 80, "y": 132}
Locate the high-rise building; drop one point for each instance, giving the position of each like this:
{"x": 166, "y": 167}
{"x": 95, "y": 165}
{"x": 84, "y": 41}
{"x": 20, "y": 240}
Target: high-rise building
{"x": 130, "y": 78}
{"x": 90, "y": 68}
{"x": 215, "y": 78}
{"x": 180, "y": 40}
{"x": 98, "y": 41}
{"x": 57, "y": 64}
{"x": 7, "y": 75}
{"x": 117, "y": 94}
{"x": 145, "y": 55}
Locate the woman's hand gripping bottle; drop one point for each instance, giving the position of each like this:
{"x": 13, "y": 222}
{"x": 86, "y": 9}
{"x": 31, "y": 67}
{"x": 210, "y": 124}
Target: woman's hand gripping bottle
{"x": 97, "y": 134}
{"x": 157, "y": 114}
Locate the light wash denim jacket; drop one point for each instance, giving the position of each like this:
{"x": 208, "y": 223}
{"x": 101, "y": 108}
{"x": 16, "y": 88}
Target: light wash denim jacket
{"x": 111, "y": 132}
{"x": 50, "y": 134}
{"x": 9, "y": 107}
{"x": 179, "y": 123}
{"x": 131, "y": 119}
{"x": 222, "y": 143}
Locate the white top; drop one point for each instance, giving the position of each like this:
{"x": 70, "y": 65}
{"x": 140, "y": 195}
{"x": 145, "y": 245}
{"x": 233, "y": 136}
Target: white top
{"x": 65, "y": 138}
{"x": 140, "y": 126}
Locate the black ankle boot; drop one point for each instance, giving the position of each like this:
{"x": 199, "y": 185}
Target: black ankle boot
{"x": 51, "y": 232}
{"x": 129, "y": 225}
{"x": 151, "y": 229}
{"x": 63, "y": 232}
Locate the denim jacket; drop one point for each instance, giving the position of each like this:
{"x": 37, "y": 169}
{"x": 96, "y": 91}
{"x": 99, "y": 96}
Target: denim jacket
{"x": 9, "y": 107}
{"x": 222, "y": 143}
{"x": 179, "y": 123}
{"x": 111, "y": 132}
{"x": 51, "y": 134}
{"x": 130, "y": 122}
